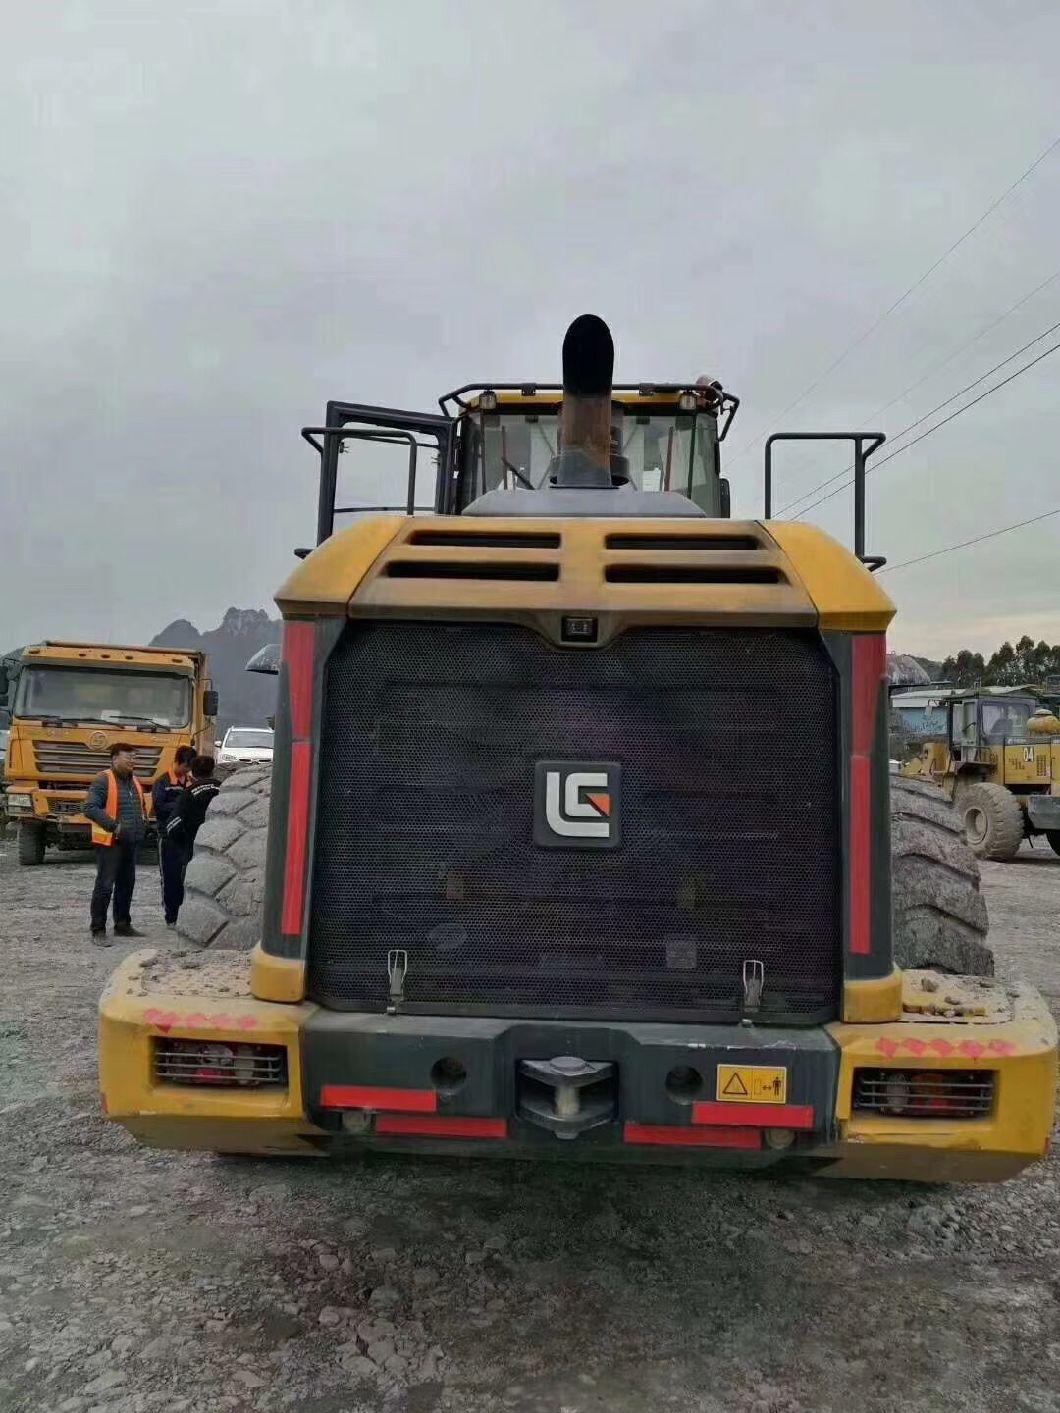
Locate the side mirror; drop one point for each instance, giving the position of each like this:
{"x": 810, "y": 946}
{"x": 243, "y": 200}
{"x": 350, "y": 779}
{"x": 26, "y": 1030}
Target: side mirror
{"x": 724, "y": 509}
{"x": 210, "y": 702}
{"x": 217, "y": 745}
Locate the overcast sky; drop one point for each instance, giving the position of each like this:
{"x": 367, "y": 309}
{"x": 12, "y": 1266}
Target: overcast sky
{"x": 215, "y": 217}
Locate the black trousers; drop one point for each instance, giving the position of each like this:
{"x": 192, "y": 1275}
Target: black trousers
{"x": 115, "y": 875}
{"x": 172, "y": 864}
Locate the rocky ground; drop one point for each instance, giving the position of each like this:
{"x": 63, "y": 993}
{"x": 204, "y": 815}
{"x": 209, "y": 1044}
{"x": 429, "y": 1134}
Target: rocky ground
{"x": 135, "y": 1281}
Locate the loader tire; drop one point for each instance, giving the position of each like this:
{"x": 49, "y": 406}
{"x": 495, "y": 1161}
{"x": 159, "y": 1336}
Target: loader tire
{"x": 224, "y": 885}
{"x": 940, "y": 918}
{"x": 993, "y": 820}
{"x": 1053, "y": 838}
{"x": 30, "y": 843}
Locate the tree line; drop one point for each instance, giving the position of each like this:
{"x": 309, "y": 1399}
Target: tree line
{"x": 1009, "y": 666}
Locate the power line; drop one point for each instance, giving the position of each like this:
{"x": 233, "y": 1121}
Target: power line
{"x": 937, "y": 368}
{"x": 937, "y": 408}
{"x": 891, "y": 308}
{"x": 949, "y": 549}
{"x": 995, "y": 387}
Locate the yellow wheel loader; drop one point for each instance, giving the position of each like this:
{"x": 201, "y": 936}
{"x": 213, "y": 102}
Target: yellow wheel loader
{"x": 995, "y": 752}
{"x": 579, "y": 834}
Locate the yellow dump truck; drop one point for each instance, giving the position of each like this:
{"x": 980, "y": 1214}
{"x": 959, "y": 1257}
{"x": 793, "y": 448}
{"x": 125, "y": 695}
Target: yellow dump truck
{"x": 70, "y": 702}
{"x": 580, "y": 841}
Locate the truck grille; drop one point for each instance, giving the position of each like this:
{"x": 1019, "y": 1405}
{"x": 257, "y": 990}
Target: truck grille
{"x": 424, "y": 838}
{"x": 66, "y": 758}
{"x": 924, "y": 1094}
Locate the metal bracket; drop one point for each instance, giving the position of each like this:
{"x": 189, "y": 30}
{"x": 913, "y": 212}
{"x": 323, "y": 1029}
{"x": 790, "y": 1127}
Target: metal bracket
{"x": 754, "y": 979}
{"x": 397, "y": 964}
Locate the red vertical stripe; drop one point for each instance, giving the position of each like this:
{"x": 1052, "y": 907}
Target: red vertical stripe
{"x": 297, "y": 835}
{"x": 298, "y": 651}
{"x": 869, "y": 663}
{"x": 298, "y": 643}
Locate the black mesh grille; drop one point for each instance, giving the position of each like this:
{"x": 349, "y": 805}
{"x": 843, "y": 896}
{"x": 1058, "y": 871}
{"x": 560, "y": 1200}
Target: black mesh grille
{"x": 425, "y": 837}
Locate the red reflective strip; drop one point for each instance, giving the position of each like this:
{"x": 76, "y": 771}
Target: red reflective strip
{"x": 298, "y": 644}
{"x": 860, "y": 856}
{"x": 870, "y": 663}
{"x": 869, "y": 656}
{"x": 442, "y": 1126}
{"x": 755, "y": 1115}
{"x": 665, "y": 1136}
{"x": 367, "y": 1096}
{"x": 297, "y": 835}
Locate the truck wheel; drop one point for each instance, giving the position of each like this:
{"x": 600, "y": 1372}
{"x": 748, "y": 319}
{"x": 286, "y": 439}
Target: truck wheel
{"x": 224, "y": 887}
{"x": 1053, "y": 836}
{"x": 30, "y": 842}
{"x": 993, "y": 820}
{"x": 939, "y": 914}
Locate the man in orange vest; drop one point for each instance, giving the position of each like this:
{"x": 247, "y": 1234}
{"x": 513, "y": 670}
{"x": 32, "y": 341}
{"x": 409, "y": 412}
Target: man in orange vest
{"x": 115, "y": 807}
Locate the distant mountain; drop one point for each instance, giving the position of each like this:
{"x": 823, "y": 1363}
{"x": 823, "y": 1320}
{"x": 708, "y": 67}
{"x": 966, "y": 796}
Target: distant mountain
{"x": 247, "y": 698}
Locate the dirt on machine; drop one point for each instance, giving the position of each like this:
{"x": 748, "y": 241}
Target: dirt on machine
{"x": 69, "y": 704}
{"x": 580, "y": 841}
{"x": 995, "y": 752}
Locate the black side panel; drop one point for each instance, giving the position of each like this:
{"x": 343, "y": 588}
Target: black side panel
{"x": 730, "y": 823}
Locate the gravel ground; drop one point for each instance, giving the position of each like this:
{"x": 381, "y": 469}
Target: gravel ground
{"x": 134, "y": 1280}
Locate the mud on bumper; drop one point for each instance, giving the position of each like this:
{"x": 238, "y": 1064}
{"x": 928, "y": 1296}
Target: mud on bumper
{"x": 570, "y": 1090}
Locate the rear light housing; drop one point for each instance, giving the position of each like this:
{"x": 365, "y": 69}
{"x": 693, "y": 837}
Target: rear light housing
{"x": 220, "y": 1064}
{"x": 924, "y": 1094}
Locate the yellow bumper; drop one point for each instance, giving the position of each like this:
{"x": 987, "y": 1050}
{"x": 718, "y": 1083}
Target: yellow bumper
{"x": 206, "y": 999}
{"x": 1021, "y": 1050}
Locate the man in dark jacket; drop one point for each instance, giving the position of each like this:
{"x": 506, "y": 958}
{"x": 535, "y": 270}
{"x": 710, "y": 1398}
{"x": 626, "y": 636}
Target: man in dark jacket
{"x": 115, "y": 806}
{"x": 166, "y": 793}
{"x": 190, "y": 810}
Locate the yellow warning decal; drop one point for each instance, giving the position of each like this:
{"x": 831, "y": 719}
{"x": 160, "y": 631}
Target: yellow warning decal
{"x": 752, "y": 1084}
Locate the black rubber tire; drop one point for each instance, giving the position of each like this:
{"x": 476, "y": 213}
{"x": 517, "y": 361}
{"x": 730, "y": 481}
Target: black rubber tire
{"x": 939, "y": 914}
{"x": 1053, "y": 838}
{"x": 992, "y": 819}
{"x": 224, "y": 887}
{"x": 30, "y": 843}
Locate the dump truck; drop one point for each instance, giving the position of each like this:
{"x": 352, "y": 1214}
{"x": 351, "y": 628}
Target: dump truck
{"x": 577, "y": 841}
{"x": 995, "y": 752}
{"x": 70, "y": 702}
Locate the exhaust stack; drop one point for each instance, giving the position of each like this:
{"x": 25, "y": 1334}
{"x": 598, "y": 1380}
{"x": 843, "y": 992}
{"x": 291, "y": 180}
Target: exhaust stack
{"x": 584, "y": 460}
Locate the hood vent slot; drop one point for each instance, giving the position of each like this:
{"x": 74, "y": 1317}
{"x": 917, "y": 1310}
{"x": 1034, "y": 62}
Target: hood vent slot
{"x": 470, "y": 569}
{"x": 503, "y": 539}
{"x": 708, "y": 544}
{"x": 692, "y": 574}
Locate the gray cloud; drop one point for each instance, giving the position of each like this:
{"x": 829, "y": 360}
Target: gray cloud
{"x": 216, "y": 217}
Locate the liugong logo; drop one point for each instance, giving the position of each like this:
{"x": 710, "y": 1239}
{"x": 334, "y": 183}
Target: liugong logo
{"x": 577, "y": 804}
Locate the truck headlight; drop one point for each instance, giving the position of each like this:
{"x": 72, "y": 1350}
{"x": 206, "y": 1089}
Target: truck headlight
{"x": 20, "y": 802}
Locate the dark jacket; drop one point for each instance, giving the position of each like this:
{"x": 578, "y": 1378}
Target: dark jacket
{"x": 189, "y": 812}
{"x": 133, "y": 825}
{"x": 165, "y": 793}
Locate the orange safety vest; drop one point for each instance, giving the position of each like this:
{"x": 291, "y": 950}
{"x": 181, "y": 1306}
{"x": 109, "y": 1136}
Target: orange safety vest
{"x": 100, "y": 835}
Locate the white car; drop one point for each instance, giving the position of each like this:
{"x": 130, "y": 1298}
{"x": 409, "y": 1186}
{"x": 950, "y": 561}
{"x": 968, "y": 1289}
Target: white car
{"x": 245, "y": 743}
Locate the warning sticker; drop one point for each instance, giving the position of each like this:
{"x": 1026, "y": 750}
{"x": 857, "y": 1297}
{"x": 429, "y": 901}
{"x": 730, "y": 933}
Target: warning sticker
{"x": 752, "y": 1084}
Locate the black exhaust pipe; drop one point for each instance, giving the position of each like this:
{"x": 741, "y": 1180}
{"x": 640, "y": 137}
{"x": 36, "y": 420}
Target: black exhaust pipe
{"x": 584, "y": 460}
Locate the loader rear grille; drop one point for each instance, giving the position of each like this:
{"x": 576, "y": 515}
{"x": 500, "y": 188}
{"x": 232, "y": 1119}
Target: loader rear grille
{"x": 924, "y": 1094}
{"x": 424, "y": 838}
